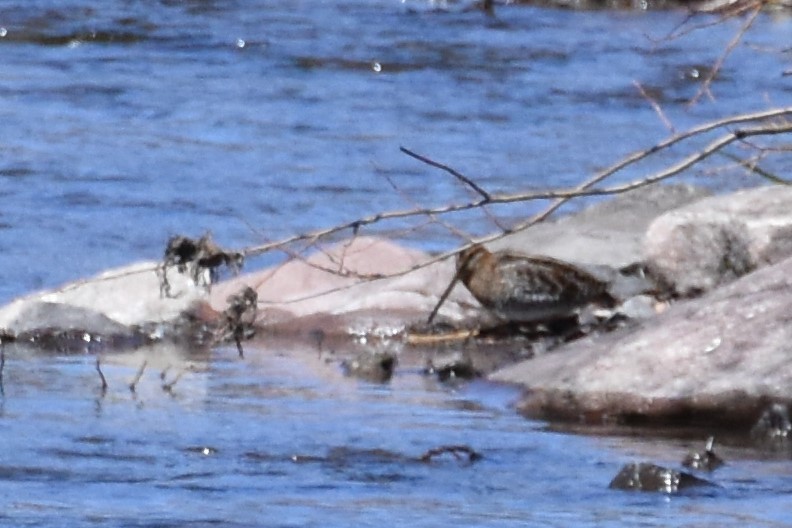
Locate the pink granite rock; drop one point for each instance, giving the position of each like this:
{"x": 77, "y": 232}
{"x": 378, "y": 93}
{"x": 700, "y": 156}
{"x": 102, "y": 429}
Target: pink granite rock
{"x": 335, "y": 291}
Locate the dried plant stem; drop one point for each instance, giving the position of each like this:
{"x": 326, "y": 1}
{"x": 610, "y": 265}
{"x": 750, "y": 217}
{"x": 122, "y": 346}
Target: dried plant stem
{"x": 138, "y": 375}
{"x": 101, "y": 375}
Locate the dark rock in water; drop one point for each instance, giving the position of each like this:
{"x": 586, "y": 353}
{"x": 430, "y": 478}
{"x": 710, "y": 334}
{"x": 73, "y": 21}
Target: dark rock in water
{"x": 371, "y": 366}
{"x": 773, "y": 426}
{"x": 455, "y": 365}
{"x": 706, "y": 460}
{"x": 646, "y": 476}
{"x": 460, "y": 453}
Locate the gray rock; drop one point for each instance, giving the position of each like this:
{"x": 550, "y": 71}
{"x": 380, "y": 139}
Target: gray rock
{"x": 37, "y": 315}
{"x": 452, "y": 366}
{"x": 129, "y": 295}
{"x": 715, "y": 240}
{"x": 773, "y": 424}
{"x": 118, "y": 309}
{"x": 609, "y": 233}
{"x": 716, "y": 359}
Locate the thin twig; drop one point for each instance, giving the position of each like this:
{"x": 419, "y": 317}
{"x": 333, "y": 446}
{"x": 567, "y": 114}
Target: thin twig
{"x": 656, "y": 107}
{"x": 2, "y": 367}
{"x": 433, "y": 217}
{"x": 168, "y": 387}
{"x": 138, "y": 375}
{"x": 705, "y": 85}
{"x": 585, "y": 190}
{"x": 101, "y": 375}
{"x": 461, "y": 177}
{"x": 561, "y": 196}
{"x": 566, "y": 194}
{"x": 752, "y": 165}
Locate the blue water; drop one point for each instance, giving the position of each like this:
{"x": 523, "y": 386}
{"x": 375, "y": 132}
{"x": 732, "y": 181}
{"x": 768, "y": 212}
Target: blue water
{"x": 123, "y": 122}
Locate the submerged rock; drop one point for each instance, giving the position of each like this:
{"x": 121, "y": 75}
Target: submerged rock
{"x": 456, "y": 365}
{"x": 371, "y": 366}
{"x": 706, "y": 460}
{"x": 646, "y": 476}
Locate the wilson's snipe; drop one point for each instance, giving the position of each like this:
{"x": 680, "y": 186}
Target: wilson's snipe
{"x": 526, "y": 289}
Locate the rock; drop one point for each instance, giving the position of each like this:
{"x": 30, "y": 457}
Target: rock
{"x": 706, "y": 460}
{"x": 37, "y": 315}
{"x": 606, "y": 236}
{"x": 120, "y": 308}
{"x": 374, "y": 366}
{"x": 717, "y": 359}
{"x": 456, "y": 365}
{"x": 310, "y": 289}
{"x": 773, "y": 425}
{"x": 646, "y": 476}
{"x": 128, "y": 295}
{"x": 713, "y": 241}
{"x": 609, "y": 233}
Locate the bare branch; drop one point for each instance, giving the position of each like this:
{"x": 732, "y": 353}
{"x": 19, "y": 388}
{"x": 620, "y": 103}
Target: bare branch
{"x": 705, "y": 86}
{"x": 752, "y": 165}
{"x": 656, "y": 107}
{"x": 461, "y": 177}
{"x": 434, "y": 218}
{"x": 582, "y": 190}
{"x": 765, "y": 123}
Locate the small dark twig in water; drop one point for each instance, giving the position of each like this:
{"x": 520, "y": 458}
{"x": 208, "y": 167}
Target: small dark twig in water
{"x": 240, "y": 317}
{"x": 2, "y": 367}
{"x": 5, "y": 337}
{"x": 458, "y": 451}
{"x": 168, "y": 387}
{"x": 138, "y": 375}
{"x": 101, "y": 375}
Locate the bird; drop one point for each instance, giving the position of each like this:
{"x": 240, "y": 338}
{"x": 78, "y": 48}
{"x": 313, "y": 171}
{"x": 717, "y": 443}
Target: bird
{"x": 520, "y": 288}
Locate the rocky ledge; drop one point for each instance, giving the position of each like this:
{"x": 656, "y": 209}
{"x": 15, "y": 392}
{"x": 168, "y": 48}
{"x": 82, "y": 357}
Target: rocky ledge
{"x": 702, "y": 334}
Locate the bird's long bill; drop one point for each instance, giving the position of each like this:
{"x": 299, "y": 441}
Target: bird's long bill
{"x": 443, "y": 298}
